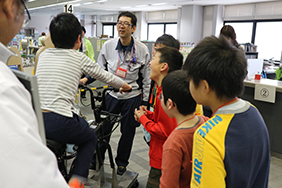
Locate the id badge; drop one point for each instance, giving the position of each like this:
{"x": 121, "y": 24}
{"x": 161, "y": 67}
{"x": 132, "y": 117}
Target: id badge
{"x": 121, "y": 72}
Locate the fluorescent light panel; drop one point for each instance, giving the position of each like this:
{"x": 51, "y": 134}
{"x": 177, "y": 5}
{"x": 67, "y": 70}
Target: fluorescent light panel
{"x": 87, "y": 3}
{"x": 141, "y": 5}
{"x": 157, "y": 4}
{"x": 101, "y": 1}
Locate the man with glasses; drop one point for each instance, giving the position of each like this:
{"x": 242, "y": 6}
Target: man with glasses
{"x": 25, "y": 160}
{"x": 128, "y": 59}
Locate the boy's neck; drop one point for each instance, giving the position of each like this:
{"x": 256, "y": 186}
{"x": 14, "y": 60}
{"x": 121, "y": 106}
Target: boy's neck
{"x": 187, "y": 121}
{"x": 159, "y": 79}
{"x": 219, "y": 103}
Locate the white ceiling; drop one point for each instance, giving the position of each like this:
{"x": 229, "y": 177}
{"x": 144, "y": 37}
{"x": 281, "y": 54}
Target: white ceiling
{"x": 102, "y": 7}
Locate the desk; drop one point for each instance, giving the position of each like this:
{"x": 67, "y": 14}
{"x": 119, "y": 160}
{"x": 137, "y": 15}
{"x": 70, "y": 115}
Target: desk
{"x": 271, "y": 112}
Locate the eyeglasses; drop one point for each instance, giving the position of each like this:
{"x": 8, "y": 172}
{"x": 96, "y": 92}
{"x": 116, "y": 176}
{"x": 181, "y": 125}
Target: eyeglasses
{"x": 25, "y": 23}
{"x": 125, "y": 24}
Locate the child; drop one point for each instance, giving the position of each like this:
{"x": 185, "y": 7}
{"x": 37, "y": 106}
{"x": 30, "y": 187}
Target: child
{"x": 157, "y": 123}
{"x": 164, "y": 40}
{"x": 232, "y": 148}
{"x": 178, "y": 103}
{"x": 58, "y": 72}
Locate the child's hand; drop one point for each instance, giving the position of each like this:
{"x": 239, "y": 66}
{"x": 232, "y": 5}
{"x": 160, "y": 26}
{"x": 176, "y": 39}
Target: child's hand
{"x": 138, "y": 114}
{"x": 143, "y": 108}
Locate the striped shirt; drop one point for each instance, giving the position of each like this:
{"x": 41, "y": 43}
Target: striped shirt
{"x": 58, "y": 74}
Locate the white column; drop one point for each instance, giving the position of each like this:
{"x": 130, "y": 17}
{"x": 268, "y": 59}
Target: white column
{"x": 191, "y": 23}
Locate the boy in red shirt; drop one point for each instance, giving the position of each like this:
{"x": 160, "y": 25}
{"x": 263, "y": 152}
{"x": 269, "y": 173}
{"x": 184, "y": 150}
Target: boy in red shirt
{"x": 178, "y": 103}
{"x": 157, "y": 123}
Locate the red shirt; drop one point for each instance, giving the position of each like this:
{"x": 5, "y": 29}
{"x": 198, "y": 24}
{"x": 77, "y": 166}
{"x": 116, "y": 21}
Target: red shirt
{"x": 177, "y": 157}
{"x": 159, "y": 125}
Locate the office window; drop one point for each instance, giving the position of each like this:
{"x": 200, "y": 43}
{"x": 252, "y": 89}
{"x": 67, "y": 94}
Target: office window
{"x": 171, "y": 29}
{"x": 110, "y": 29}
{"x": 269, "y": 40}
{"x": 243, "y": 30}
{"x": 157, "y": 29}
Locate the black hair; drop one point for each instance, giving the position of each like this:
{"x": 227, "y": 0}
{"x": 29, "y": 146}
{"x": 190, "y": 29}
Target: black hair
{"x": 65, "y": 29}
{"x": 43, "y": 33}
{"x": 229, "y": 32}
{"x": 168, "y": 40}
{"x": 172, "y": 57}
{"x": 175, "y": 86}
{"x": 222, "y": 65}
{"x": 130, "y": 15}
{"x": 83, "y": 29}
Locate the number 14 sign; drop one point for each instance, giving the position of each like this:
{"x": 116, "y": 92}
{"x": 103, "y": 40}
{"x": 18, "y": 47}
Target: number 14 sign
{"x": 68, "y": 8}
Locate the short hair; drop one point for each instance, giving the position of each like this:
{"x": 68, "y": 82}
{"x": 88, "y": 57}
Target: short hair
{"x": 168, "y": 40}
{"x": 130, "y": 15}
{"x": 175, "y": 86}
{"x": 83, "y": 29}
{"x": 172, "y": 57}
{"x": 65, "y": 29}
{"x": 43, "y": 33}
{"x": 228, "y": 31}
{"x": 222, "y": 65}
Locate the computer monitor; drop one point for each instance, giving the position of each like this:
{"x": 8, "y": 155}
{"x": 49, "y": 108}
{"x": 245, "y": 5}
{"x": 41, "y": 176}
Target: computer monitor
{"x": 30, "y": 83}
{"x": 254, "y": 67}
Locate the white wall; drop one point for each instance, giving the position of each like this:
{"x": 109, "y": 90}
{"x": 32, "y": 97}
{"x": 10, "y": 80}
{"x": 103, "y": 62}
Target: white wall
{"x": 99, "y": 26}
{"x": 212, "y": 20}
{"x": 88, "y": 24}
{"x": 217, "y": 19}
{"x": 141, "y": 30}
{"x": 41, "y": 23}
{"x": 191, "y": 23}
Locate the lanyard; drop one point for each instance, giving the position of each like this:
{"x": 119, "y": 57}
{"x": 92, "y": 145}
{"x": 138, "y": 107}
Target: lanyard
{"x": 224, "y": 105}
{"x": 133, "y": 57}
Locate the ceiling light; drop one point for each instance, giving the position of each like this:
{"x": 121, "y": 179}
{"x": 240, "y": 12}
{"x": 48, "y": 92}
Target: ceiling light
{"x": 141, "y": 5}
{"x": 30, "y": 1}
{"x": 87, "y": 3}
{"x": 125, "y": 7}
{"x": 157, "y": 4}
{"x": 101, "y": 1}
{"x": 76, "y": 5}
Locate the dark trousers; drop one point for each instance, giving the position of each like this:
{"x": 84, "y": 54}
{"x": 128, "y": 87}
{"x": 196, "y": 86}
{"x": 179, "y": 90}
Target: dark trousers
{"x": 154, "y": 178}
{"x": 73, "y": 130}
{"x": 128, "y": 126}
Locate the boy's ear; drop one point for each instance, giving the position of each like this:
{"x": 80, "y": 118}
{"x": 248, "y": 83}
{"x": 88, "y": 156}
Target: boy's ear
{"x": 164, "y": 67}
{"x": 170, "y": 104}
{"x": 78, "y": 40}
{"x": 206, "y": 87}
